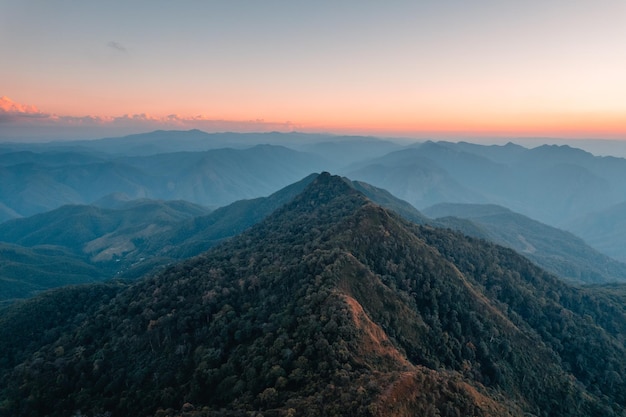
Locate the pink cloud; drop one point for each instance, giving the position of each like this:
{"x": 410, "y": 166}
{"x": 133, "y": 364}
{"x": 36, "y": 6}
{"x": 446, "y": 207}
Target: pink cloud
{"x": 10, "y": 110}
{"x": 19, "y": 120}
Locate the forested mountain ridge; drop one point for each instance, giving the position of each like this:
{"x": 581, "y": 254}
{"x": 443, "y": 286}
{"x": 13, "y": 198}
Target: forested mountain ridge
{"x": 138, "y": 236}
{"x": 333, "y": 306}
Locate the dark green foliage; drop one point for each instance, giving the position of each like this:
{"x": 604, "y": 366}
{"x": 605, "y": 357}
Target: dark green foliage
{"x": 27, "y": 271}
{"x": 331, "y": 306}
{"x": 80, "y": 244}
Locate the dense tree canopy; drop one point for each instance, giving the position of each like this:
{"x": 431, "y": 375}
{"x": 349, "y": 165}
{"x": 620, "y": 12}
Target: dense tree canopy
{"x": 331, "y": 306}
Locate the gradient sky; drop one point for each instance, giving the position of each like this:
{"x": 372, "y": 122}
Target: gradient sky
{"x": 404, "y": 68}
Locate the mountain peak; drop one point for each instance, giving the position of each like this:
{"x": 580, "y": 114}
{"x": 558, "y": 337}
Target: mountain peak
{"x": 326, "y": 188}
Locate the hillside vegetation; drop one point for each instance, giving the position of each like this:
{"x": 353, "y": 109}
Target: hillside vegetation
{"x": 332, "y": 305}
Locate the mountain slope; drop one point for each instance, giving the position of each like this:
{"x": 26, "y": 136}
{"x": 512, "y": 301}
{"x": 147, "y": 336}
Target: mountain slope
{"x": 92, "y": 230}
{"x": 554, "y": 184}
{"x": 25, "y": 272}
{"x": 79, "y": 244}
{"x": 553, "y": 249}
{"x": 334, "y": 306}
{"x": 213, "y": 178}
{"x": 137, "y": 236}
{"x": 604, "y": 230}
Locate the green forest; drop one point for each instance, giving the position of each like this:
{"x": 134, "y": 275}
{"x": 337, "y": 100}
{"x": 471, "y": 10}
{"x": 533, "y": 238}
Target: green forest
{"x": 331, "y": 306}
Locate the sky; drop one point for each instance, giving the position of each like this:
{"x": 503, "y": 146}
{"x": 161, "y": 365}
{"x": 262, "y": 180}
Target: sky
{"x": 420, "y": 69}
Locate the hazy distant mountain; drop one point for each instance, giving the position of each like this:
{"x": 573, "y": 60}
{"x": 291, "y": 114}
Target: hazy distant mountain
{"x": 51, "y": 158}
{"x": 420, "y": 182}
{"x": 553, "y": 184}
{"x": 7, "y": 213}
{"x": 332, "y": 305}
{"x": 342, "y": 151}
{"x": 32, "y": 188}
{"x": 211, "y": 178}
{"x": 553, "y": 249}
{"x": 604, "y": 230}
{"x": 170, "y": 141}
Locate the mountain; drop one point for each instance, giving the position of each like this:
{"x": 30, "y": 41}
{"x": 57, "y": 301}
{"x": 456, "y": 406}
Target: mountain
{"x": 139, "y": 236}
{"x": 332, "y": 305}
{"x": 605, "y": 230}
{"x": 555, "y": 250}
{"x": 7, "y": 213}
{"x": 39, "y": 182}
{"x": 170, "y": 141}
{"x": 343, "y": 151}
{"x": 49, "y": 158}
{"x": 25, "y": 272}
{"x": 417, "y": 180}
{"x": 554, "y": 184}
{"x": 198, "y": 234}
{"x": 93, "y": 231}
{"x": 79, "y": 244}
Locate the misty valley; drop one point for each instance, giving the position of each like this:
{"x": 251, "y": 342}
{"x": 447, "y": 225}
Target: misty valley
{"x": 184, "y": 273}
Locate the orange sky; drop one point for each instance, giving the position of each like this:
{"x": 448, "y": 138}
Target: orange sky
{"x": 416, "y": 69}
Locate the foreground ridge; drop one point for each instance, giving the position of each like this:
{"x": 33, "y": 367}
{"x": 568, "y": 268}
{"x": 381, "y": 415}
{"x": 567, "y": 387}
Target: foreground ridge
{"x": 330, "y": 306}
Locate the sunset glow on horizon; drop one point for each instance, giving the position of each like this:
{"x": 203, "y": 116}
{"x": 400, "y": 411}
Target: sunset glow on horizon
{"x": 408, "y": 69}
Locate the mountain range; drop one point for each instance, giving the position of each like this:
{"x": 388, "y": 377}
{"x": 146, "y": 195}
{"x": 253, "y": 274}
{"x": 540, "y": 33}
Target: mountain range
{"x": 560, "y": 186}
{"x": 124, "y": 238}
{"x": 555, "y": 250}
{"x": 552, "y": 184}
{"x": 331, "y": 305}
{"x": 32, "y": 183}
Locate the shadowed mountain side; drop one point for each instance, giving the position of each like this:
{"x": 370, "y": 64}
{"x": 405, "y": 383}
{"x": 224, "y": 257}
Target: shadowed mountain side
{"x": 141, "y": 235}
{"x": 79, "y": 244}
{"x": 7, "y": 213}
{"x": 89, "y": 229}
{"x": 50, "y": 158}
{"x": 196, "y": 235}
{"x": 211, "y": 178}
{"x": 553, "y": 184}
{"x": 387, "y": 200}
{"x": 342, "y": 151}
{"x": 604, "y": 230}
{"x": 25, "y": 272}
{"x": 331, "y": 306}
{"x": 555, "y": 250}
{"x": 421, "y": 183}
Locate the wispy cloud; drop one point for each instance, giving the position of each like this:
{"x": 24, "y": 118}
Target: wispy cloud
{"x": 117, "y": 46}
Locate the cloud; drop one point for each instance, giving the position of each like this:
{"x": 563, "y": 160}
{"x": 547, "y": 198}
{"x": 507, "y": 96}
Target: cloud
{"x": 117, "y": 46}
{"x": 26, "y": 121}
{"x": 11, "y": 111}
